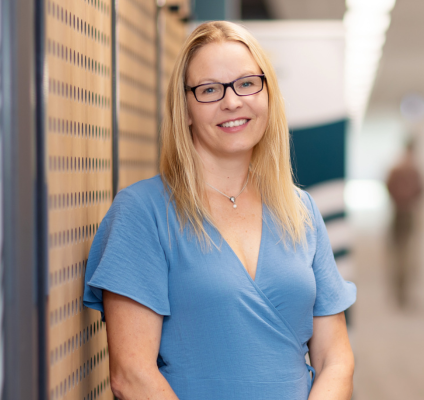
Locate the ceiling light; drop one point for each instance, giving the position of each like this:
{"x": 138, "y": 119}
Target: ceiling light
{"x": 366, "y": 23}
{"x": 381, "y": 6}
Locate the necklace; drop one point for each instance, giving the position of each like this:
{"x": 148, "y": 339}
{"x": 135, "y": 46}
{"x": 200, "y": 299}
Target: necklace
{"x": 231, "y": 198}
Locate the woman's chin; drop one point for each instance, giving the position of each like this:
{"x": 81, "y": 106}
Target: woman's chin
{"x": 235, "y": 151}
{"x": 226, "y": 147}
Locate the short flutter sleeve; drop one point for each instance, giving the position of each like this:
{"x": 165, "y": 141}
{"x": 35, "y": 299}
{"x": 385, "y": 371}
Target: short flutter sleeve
{"x": 126, "y": 256}
{"x": 333, "y": 293}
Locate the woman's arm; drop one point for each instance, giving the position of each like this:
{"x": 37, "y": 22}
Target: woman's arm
{"x": 133, "y": 334}
{"x": 332, "y": 358}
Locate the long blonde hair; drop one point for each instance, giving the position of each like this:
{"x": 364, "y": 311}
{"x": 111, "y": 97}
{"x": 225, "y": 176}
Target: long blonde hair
{"x": 270, "y": 169}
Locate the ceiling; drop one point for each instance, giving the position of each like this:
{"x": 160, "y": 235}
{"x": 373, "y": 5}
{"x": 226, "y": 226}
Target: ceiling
{"x": 306, "y": 9}
{"x": 401, "y": 69}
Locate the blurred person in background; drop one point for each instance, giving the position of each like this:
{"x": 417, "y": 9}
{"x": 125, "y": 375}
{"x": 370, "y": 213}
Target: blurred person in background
{"x": 217, "y": 276}
{"x": 404, "y": 186}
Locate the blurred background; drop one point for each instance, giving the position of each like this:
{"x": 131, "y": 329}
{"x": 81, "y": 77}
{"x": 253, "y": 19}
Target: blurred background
{"x": 82, "y": 85}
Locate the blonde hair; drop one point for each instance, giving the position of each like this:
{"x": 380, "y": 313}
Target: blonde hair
{"x": 270, "y": 169}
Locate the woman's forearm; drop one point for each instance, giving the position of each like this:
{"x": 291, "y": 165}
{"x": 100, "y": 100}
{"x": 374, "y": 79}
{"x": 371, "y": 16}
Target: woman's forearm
{"x": 146, "y": 385}
{"x": 335, "y": 382}
{"x": 332, "y": 357}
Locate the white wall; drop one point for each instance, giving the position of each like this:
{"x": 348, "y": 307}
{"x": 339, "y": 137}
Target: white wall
{"x": 308, "y": 57}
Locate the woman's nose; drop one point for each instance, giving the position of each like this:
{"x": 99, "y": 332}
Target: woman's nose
{"x": 231, "y": 100}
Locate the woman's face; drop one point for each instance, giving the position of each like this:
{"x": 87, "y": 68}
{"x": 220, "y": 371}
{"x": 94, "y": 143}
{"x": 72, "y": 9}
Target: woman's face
{"x": 224, "y": 62}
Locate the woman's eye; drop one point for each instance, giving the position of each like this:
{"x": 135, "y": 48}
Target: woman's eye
{"x": 208, "y": 90}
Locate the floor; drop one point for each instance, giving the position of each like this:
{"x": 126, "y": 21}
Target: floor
{"x": 388, "y": 341}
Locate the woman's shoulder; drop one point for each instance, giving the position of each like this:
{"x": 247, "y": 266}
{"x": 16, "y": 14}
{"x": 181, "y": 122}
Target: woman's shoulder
{"x": 311, "y": 208}
{"x": 143, "y": 193}
{"x": 145, "y": 200}
{"x": 307, "y": 200}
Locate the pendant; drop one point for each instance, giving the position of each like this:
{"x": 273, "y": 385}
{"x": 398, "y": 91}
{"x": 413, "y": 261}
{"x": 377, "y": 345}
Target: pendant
{"x": 234, "y": 205}
{"x": 233, "y": 200}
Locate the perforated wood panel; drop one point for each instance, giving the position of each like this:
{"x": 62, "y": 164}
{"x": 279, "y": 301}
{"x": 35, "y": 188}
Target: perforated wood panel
{"x": 137, "y": 90}
{"x": 79, "y": 162}
{"x": 138, "y": 150}
{"x": 79, "y": 147}
{"x": 174, "y": 35}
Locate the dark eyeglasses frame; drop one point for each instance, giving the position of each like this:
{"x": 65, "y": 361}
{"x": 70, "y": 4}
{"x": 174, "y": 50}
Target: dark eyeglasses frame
{"x": 226, "y": 85}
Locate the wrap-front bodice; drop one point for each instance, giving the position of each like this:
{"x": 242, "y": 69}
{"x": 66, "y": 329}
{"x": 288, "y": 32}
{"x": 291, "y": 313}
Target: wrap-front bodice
{"x": 224, "y": 335}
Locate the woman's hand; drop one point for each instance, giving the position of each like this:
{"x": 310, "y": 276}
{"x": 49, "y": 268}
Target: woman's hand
{"x": 332, "y": 358}
{"x": 133, "y": 334}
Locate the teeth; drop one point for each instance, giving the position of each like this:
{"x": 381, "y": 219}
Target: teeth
{"x": 232, "y": 124}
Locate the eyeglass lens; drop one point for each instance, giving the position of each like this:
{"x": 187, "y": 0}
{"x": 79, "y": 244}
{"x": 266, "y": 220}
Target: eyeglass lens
{"x": 243, "y": 87}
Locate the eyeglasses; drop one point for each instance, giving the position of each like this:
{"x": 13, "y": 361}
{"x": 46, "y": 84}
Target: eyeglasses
{"x": 215, "y": 91}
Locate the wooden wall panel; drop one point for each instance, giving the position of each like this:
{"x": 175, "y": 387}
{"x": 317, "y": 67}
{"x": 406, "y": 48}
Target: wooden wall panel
{"x": 79, "y": 152}
{"x": 79, "y": 161}
{"x": 174, "y": 35}
{"x": 138, "y": 149}
{"x": 137, "y": 90}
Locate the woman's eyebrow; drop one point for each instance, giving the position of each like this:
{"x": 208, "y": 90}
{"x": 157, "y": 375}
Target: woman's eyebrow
{"x": 214, "y": 80}
{"x": 206, "y": 80}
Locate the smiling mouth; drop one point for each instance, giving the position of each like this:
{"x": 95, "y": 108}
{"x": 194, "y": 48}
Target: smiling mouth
{"x": 232, "y": 124}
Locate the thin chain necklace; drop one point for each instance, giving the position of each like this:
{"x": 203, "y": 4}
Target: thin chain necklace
{"x": 231, "y": 198}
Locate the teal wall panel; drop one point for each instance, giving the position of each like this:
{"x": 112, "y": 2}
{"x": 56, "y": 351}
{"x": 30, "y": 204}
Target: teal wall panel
{"x": 318, "y": 153}
{"x": 205, "y": 10}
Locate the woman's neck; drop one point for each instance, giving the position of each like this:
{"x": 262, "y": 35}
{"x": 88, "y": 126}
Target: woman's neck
{"x": 227, "y": 174}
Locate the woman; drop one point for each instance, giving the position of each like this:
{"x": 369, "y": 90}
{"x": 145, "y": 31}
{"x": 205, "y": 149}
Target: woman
{"x": 216, "y": 277}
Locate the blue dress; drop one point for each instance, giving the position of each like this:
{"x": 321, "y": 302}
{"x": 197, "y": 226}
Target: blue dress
{"x": 224, "y": 336}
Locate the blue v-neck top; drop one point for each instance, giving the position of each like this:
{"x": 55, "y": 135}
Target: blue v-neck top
{"x": 224, "y": 335}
